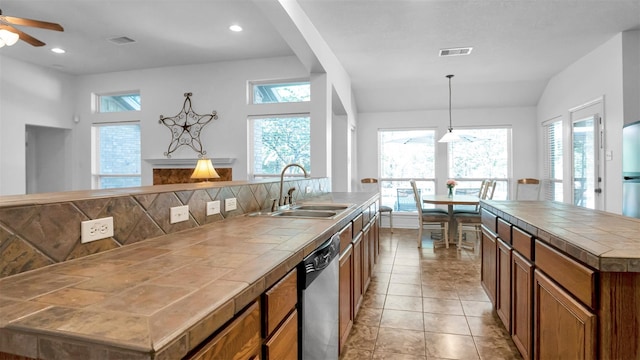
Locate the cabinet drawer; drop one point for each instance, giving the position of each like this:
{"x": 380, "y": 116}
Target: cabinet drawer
{"x": 488, "y": 220}
{"x": 522, "y": 242}
{"x": 504, "y": 231}
{"x": 239, "y": 340}
{"x": 576, "y": 278}
{"x": 279, "y": 300}
{"x": 357, "y": 225}
{"x": 283, "y": 345}
{"x": 346, "y": 234}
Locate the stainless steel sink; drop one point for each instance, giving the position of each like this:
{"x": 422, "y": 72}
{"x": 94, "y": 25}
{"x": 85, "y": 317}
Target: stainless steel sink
{"x": 305, "y": 214}
{"x": 322, "y": 207}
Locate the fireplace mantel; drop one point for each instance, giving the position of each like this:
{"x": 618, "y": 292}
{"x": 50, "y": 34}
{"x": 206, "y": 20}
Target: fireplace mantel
{"x": 165, "y": 163}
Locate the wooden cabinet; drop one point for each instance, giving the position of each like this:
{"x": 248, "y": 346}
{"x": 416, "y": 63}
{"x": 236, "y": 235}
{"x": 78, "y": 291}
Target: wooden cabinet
{"x": 239, "y": 340}
{"x": 366, "y": 264}
{"x": 358, "y": 289}
{"x": 345, "y": 311}
{"x": 488, "y": 263}
{"x": 503, "y": 282}
{"x": 564, "y": 328}
{"x": 522, "y": 304}
{"x": 283, "y": 344}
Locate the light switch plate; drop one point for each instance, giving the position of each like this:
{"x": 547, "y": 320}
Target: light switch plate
{"x": 179, "y": 214}
{"x": 230, "y": 204}
{"x": 92, "y": 230}
{"x": 213, "y": 207}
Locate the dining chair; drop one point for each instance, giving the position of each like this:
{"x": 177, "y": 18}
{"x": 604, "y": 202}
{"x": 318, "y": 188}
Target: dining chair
{"x": 430, "y": 217}
{"x": 481, "y": 194}
{"x": 528, "y": 189}
{"x": 471, "y": 220}
{"x": 370, "y": 184}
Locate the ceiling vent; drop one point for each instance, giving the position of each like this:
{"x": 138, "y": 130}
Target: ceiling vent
{"x": 456, "y": 51}
{"x": 122, "y": 40}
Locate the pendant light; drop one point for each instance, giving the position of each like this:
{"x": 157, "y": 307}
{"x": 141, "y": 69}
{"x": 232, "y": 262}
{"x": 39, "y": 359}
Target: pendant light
{"x": 450, "y": 136}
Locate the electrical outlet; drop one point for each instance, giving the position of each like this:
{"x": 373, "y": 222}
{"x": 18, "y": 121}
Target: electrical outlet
{"x": 179, "y": 214}
{"x": 92, "y": 230}
{"x": 230, "y": 204}
{"x": 307, "y": 190}
{"x": 213, "y": 207}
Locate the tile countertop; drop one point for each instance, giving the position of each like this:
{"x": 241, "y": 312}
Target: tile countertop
{"x": 161, "y": 297}
{"x": 602, "y": 240}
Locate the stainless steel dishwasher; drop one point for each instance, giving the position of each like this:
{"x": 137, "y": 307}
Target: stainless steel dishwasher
{"x": 319, "y": 284}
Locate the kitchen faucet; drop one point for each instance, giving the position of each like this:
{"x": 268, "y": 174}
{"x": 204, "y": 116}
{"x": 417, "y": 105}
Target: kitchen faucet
{"x": 281, "y": 201}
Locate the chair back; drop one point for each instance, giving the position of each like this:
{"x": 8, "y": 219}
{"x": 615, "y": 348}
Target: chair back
{"x": 491, "y": 188}
{"x": 369, "y": 184}
{"x": 528, "y": 189}
{"x": 416, "y": 196}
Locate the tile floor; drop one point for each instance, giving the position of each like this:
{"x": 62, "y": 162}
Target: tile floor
{"x": 426, "y": 304}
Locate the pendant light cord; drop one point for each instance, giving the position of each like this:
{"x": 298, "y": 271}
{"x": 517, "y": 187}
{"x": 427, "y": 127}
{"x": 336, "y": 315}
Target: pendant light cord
{"x": 450, "y": 126}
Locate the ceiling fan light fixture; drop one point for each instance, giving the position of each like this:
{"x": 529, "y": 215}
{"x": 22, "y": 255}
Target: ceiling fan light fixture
{"x": 8, "y": 38}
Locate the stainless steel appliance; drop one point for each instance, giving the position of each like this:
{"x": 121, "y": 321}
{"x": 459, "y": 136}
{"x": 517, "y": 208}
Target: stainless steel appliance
{"x": 631, "y": 170}
{"x": 319, "y": 284}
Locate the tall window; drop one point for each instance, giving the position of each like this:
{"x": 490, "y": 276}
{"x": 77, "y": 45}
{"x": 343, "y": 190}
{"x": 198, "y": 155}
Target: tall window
{"x": 277, "y": 141}
{"x": 406, "y": 155}
{"x": 553, "y": 160}
{"x": 481, "y": 154}
{"x": 116, "y": 155}
{"x": 281, "y": 137}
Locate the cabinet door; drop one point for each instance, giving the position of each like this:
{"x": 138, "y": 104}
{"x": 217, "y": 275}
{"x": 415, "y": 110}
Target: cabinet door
{"x": 283, "y": 345}
{"x": 357, "y": 274}
{"x": 563, "y": 328}
{"x": 240, "y": 340}
{"x": 503, "y": 292}
{"x": 366, "y": 266}
{"x": 488, "y": 263}
{"x": 521, "y": 304}
{"x": 345, "y": 317}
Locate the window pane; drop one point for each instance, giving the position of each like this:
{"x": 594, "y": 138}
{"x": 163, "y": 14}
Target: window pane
{"x": 120, "y": 149}
{"x": 119, "y": 182}
{"x": 481, "y": 154}
{"x": 281, "y": 93}
{"x": 407, "y": 154}
{"x": 119, "y": 102}
{"x": 553, "y": 161}
{"x": 278, "y": 141}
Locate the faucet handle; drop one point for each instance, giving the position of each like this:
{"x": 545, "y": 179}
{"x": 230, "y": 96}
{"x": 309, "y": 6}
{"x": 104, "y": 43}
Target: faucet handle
{"x": 274, "y": 205}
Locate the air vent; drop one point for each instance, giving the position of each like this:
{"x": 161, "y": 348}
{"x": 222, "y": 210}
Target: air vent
{"x": 456, "y": 51}
{"x": 122, "y": 40}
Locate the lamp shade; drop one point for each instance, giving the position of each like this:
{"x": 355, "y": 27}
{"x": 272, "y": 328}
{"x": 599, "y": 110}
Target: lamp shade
{"x": 450, "y": 136}
{"x": 204, "y": 170}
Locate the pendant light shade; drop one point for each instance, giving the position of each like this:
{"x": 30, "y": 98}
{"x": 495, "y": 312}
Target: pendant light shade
{"x": 450, "y": 136}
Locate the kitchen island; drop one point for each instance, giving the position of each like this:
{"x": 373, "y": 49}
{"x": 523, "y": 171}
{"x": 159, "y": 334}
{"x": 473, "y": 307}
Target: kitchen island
{"x": 160, "y": 298}
{"x": 564, "y": 280}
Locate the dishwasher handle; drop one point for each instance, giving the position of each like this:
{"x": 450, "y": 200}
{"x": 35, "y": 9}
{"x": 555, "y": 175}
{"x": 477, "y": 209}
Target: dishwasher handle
{"x": 319, "y": 259}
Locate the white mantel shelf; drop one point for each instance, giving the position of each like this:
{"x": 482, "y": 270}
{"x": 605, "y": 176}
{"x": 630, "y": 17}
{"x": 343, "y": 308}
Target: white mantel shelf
{"x": 186, "y": 163}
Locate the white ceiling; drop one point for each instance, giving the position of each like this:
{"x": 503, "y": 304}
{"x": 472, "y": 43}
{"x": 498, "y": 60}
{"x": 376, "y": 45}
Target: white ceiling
{"x": 388, "y": 47}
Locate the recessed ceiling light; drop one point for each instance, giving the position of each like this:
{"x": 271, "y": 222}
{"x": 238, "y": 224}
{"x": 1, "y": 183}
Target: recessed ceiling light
{"x": 58, "y": 51}
{"x": 235, "y": 28}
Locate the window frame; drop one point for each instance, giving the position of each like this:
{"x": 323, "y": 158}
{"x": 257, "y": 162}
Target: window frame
{"x": 502, "y": 184}
{"x": 404, "y": 180}
{"x": 253, "y": 83}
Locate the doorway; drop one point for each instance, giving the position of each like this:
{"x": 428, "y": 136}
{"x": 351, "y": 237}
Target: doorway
{"x": 587, "y": 144}
{"x": 47, "y": 159}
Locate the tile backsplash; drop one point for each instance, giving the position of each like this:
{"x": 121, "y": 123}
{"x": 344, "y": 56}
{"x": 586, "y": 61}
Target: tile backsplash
{"x": 37, "y": 235}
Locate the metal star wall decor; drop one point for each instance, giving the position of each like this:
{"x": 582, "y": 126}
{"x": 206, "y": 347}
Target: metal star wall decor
{"x": 186, "y": 127}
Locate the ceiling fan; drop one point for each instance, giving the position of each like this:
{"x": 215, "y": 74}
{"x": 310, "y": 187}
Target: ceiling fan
{"x": 9, "y": 35}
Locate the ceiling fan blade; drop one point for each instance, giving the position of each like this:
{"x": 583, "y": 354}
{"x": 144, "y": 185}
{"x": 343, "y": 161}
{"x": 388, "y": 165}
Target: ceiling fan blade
{"x": 23, "y": 36}
{"x": 33, "y": 23}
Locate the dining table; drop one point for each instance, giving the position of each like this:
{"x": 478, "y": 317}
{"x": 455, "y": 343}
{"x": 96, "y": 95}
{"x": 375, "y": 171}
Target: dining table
{"x": 450, "y": 201}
